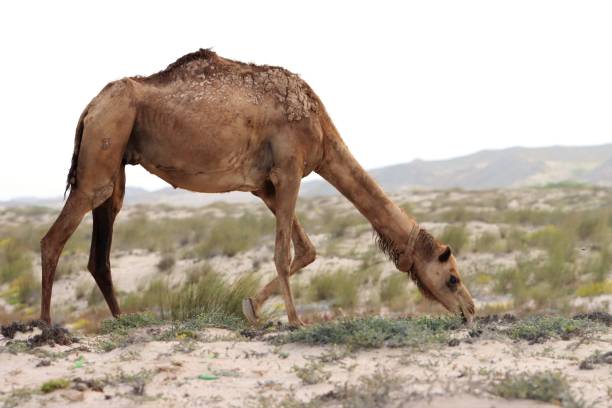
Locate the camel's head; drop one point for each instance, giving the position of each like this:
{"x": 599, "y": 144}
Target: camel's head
{"x": 433, "y": 268}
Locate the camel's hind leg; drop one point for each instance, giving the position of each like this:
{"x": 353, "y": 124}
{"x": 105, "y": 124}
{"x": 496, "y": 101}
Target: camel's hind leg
{"x": 101, "y": 239}
{"x": 102, "y": 137}
{"x": 304, "y": 254}
{"x": 52, "y": 244}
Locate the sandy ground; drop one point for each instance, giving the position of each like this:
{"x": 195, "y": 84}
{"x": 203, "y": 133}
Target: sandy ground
{"x": 260, "y": 374}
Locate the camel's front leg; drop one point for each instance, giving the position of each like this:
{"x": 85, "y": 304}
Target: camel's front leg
{"x": 304, "y": 255}
{"x": 286, "y": 180}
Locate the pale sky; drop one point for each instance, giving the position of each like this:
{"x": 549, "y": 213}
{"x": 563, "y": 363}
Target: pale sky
{"x": 401, "y": 80}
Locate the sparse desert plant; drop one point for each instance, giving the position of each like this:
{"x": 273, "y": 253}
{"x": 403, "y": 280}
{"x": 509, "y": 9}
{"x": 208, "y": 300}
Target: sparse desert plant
{"x": 67, "y": 266}
{"x": 374, "y": 332}
{"x": 129, "y": 321}
{"x": 312, "y": 373}
{"x": 600, "y": 266}
{"x": 488, "y": 242}
{"x": 137, "y": 380}
{"x": 456, "y": 214}
{"x": 514, "y": 238}
{"x": 338, "y": 225}
{"x": 18, "y": 397}
{"x": 371, "y": 391}
{"x": 24, "y": 290}
{"x": 55, "y": 384}
{"x": 456, "y": 236}
{"x": 166, "y": 263}
{"x": 595, "y": 289}
{"x": 94, "y": 297}
{"x": 339, "y": 287}
{"x": 539, "y": 328}
{"x": 15, "y": 260}
{"x": 230, "y": 235}
{"x": 394, "y": 291}
{"x": 369, "y": 271}
{"x": 544, "y": 386}
{"x": 211, "y": 293}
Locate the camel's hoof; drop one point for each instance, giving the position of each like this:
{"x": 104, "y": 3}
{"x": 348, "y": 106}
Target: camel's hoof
{"x": 249, "y": 310}
{"x": 298, "y": 324}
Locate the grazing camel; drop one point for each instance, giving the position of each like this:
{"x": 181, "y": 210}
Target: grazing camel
{"x": 210, "y": 124}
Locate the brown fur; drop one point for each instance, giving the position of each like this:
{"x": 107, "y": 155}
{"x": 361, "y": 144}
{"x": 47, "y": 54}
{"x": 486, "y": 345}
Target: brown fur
{"x": 211, "y": 124}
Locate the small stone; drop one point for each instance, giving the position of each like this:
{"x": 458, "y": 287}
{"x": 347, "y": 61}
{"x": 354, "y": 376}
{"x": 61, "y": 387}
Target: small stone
{"x": 454, "y": 342}
{"x": 73, "y": 395}
{"x": 80, "y": 386}
{"x": 44, "y": 363}
{"x": 586, "y": 365}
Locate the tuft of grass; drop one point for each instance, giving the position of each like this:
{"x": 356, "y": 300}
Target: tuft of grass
{"x": 312, "y": 373}
{"x": 339, "y": 287}
{"x": 371, "y": 391}
{"x": 457, "y": 236}
{"x": 55, "y": 384}
{"x": 129, "y": 321}
{"x": 540, "y": 328}
{"x": 394, "y": 291}
{"x": 137, "y": 381}
{"x": 206, "y": 292}
{"x": 488, "y": 242}
{"x": 595, "y": 289}
{"x": 374, "y": 332}
{"x": 15, "y": 260}
{"x": 543, "y": 386}
{"x": 230, "y": 235}
{"x": 18, "y": 397}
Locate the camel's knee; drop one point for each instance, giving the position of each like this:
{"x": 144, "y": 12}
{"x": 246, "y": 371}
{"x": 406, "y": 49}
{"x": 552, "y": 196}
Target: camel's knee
{"x": 48, "y": 247}
{"x": 308, "y": 256}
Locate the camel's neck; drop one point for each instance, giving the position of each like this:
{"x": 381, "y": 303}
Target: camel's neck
{"x": 340, "y": 169}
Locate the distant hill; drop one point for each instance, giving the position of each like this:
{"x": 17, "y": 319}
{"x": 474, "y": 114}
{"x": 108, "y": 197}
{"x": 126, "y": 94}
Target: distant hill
{"x": 513, "y": 167}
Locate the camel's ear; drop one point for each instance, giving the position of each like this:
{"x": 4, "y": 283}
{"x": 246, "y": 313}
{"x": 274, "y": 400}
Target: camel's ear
{"x": 445, "y": 255}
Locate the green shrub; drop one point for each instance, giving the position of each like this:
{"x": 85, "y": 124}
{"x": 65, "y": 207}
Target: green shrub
{"x": 53, "y": 385}
{"x": 456, "y": 236}
{"x": 538, "y": 328}
{"x": 15, "y": 260}
{"x": 339, "y": 287}
{"x": 230, "y": 236}
{"x": 394, "y": 291}
{"x": 487, "y": 242}
{"x": 374, "y": 332}
{"x": 128, "y": 321}
{"x": 95, "y": 296}
{"x": 206, "y": 292}
{"x": 595, "y": 289}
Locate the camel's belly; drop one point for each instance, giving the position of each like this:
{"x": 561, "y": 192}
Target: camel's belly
{"x": 214, "y": 182}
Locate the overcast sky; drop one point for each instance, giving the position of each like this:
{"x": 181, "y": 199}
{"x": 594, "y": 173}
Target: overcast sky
{"x": 401, "y": 80}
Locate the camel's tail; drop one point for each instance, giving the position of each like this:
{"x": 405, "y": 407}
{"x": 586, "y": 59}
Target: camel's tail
{"x": 71, "y": 180}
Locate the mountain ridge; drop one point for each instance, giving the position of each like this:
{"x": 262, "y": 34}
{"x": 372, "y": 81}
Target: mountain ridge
{"x": 484, "y": 169}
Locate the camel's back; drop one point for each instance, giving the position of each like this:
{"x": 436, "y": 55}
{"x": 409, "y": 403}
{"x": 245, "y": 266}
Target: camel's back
{"x": 203, "y": 76}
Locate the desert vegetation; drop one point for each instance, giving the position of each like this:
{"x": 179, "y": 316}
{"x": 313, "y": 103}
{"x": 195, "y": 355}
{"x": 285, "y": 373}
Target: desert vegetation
{"x": 538, "y": 262}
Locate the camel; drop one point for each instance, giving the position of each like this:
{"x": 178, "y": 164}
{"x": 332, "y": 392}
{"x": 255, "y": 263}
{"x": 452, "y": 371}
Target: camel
{"x": 210, "y": 124}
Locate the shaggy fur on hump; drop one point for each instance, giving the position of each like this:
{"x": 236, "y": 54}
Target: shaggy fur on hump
{"x": 201, "y": 54}
{"x": 425, "y": 246}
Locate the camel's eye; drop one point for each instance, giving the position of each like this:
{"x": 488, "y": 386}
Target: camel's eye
{"x": 452, "y": 281}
